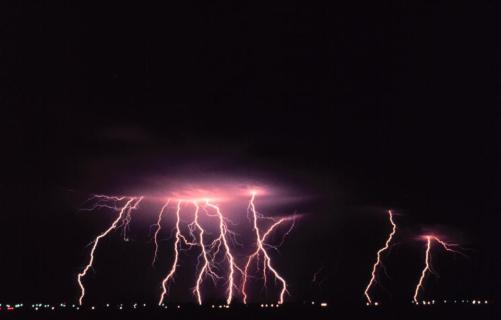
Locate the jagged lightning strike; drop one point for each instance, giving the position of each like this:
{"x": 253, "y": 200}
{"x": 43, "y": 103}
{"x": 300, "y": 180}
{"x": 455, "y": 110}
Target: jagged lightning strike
{"x": 207, "y": 256}
{"x": 123, "y": 218}
{"x": 260, "y": 249}
{"x": 158, "y": 227}
{"x": 208, "y": 253}
{"x": 223, "y": 240}
{"x": 427, "y": 261}
{"x": 177, "y": 243}
{"x": 207, "y": 268}
{"x": 378, "y": 257}
{"x": 208, "y": 265}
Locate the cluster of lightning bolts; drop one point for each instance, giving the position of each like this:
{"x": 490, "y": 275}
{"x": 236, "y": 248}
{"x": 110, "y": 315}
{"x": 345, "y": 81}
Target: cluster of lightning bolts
{"x": 211, "y": 253}
{"x": 427, "y": 260}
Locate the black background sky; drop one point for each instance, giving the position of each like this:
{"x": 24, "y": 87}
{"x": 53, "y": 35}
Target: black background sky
{"x": 363, "y": 106}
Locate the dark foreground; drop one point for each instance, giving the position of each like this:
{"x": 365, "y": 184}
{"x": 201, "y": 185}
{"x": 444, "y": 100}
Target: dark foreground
{"x": 442, "y": 312}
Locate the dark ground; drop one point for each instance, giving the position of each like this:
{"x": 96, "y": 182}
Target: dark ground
{"x": 284, "y": 312}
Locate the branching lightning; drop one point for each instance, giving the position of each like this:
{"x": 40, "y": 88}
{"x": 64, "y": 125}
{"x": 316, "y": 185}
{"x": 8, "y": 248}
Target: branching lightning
{"x": 208, "y": 252}
{"x": 378, "y": 257}
{"x": 427, "y": 261}
{"x": 206, "y": 268}
{"x": 223, "y": 240}
{"x": 177, "y": 244}
{"x": 260, "y": 249}
{"x": 215, "y": 261}
{"x": 123, "y": 218}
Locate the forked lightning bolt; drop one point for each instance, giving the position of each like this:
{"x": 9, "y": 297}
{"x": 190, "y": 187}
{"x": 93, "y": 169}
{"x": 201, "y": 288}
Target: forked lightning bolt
{"x": 209, "y": 257}
{"x": 123, "y": 218}
{"x": 177, "y": 244}
{"x": 260, "y": 249}
{"x": 427, "y": 261}
{"x": 206, "y": 268}
{"x": 378, "y": 258}
{"x": 223, "y": 240}
{"x": 205, "y": 255}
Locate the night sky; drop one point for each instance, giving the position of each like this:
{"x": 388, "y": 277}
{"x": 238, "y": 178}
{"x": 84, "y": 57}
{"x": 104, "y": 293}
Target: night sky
{"x": 353, "y": 108}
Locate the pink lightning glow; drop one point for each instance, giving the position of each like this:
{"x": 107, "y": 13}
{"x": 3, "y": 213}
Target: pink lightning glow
{"x": 177, "y": 244}
{"x": 221, "y": 244}
{"x": 123, "y": 216}
{"x": 223, "y": 239}
{"x": 157, "y": 230}
{"x": 215, "y": 260}
{"x": 260, "y": 249}
{"x": 207, "y": 263}
{"x": 427, "y": 262}
{"x": 378, "y": 257}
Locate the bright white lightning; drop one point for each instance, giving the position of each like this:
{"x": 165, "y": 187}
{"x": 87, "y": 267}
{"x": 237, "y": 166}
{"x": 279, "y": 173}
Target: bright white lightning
{"x": 378, "y": 257}
{"x": 260, "y": 249}
{"x": 123, "y": 217}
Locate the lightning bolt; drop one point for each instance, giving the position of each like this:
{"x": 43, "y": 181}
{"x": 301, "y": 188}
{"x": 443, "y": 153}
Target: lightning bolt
{"x": 206, "y": 268}
{"x": 157, "y": 230}
{"x": 223, "y": 240}
{"x": 260, "y": 249}
{"x": 427, "y": 261}
{"x": 123, "y": 217}
{"x": 212, "y": 253}
{"x": 177, "y": 244}
{"x": 378, "y": 257}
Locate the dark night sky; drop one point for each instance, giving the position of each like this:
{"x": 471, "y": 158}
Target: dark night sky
{"x": 361, "y": 107}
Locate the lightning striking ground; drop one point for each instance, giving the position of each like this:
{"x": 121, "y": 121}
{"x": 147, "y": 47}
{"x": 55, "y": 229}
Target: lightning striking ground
{"x": 378, "y": 258}
{"x": 427, "y": 261}
{"x": 123, "y": 217}
{"x": 215, "y": 261}
{"x": 177, "y": 244}
{"x": 206, "y": 268}
{"x": 223, "y": 240}
{"x": 260, "y": 249}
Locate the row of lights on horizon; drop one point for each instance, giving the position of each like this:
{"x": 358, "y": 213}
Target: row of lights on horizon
{"x": 41, "y": 306}
{"x": 432, "y": 302}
